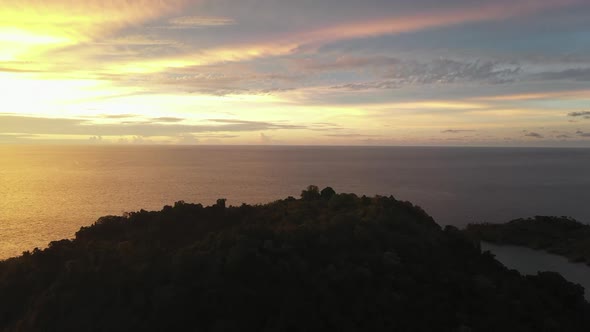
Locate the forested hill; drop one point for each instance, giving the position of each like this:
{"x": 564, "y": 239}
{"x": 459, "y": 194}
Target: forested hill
{"x": 558, "y": 235}
{"x": 325, "y": 262}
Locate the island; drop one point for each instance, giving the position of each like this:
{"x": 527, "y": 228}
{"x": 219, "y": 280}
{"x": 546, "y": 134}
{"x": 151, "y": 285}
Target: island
{"x": 321, "y": 262}
{"x": 562, "y": 236}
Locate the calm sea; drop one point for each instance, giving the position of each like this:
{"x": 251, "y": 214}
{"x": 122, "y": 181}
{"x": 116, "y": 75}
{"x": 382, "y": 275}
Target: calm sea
{"x": 47, "y": 193}
{"x": 529, "y": 261}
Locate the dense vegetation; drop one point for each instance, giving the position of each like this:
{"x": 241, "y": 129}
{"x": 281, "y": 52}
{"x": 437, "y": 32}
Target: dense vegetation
{"x": 325, "y": 262}
{"x": 561, "y": 236}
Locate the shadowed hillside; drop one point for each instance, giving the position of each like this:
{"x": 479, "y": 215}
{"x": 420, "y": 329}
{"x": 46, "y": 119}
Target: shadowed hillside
{"x": 558, "y": 235}
{"x": 325, "y": 262}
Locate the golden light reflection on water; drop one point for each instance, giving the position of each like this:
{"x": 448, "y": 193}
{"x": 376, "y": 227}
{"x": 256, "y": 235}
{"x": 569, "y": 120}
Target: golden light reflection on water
{"x": 48, "y": 192}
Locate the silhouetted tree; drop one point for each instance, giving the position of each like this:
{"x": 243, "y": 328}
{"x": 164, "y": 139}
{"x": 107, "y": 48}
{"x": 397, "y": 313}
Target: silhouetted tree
{"x": 221, "y": 203}
{"x": 312, "y": 193}
{"x": 327, "y": 193}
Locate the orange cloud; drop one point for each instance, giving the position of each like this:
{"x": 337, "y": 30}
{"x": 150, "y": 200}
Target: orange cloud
{"x": 29, "y": 28}
{"x": 393, "y": 25}
{"x": 566, "y": 94}
{"x": 490, "y": 12}
{"x": 199, "y": 21}
{"x": 205, "y": 57}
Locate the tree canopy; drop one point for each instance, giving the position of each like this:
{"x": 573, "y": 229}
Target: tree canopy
{"x": 325, "y": 262}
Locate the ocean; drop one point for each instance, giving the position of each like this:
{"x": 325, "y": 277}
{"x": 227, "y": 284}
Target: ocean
{"x": 530, "y": 262}
{"x": 48, "y": 192}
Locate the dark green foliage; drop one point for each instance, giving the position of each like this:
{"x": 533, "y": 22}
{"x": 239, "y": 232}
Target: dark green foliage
{"x": 312, "y": 193}
{"x": 327, "y": 193}
{"x": 559, "y": 235}
{"x": 316, "y": 264}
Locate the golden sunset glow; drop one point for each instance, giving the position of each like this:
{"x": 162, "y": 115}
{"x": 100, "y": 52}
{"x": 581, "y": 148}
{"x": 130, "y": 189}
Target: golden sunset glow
{"x": 299, "y": 165}
{"x": 76, "y": 69}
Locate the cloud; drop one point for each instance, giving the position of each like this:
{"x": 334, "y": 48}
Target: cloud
{"x": 453, "y": 71}
{"x": 345, "y": 63}
{"x": 216, "y": 80}
{"x": 541, "y": 95}
{"x": 187, "y": 139}
{"x": 492, "y": 11}
{"x": 582, "y": 134}
{"x": 282, "y": 56}
{"x": 575, "y": 74}
{"x": 305, "y": 40}
{"x": 117, "y": 116}
{"x": 376, "y": 85}
{"x": 31, "y": 27}
{"x": 456, "y": 131}
{"x": 439, "y": 71}
{"x": 95, "y": 139}
{"x": 18, "y": 67}
{"x": 265, "y": 139}
{"x": 533, "y": 135}
{"x": 190, "y": 22}
{"x": 216, "y": 136}
{"x": 325, "y": 127}
{"x": 167, "y": 119}
{"x": 585, "y": 114}
{"x": 16, "y": 138}
{"x": 257, "y": 123}
{"x": 14, "y": 124}
{"x": 351, "y": 135}
{"x": 136, "y": 40}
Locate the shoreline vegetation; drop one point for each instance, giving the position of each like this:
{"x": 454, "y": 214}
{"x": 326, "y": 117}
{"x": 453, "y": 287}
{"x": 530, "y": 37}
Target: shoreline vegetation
{"x": 562, "y": 236}
{"x": 321, "y": 262}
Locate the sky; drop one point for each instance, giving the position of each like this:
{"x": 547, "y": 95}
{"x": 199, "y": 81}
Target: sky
{"x": 305, "y": 72}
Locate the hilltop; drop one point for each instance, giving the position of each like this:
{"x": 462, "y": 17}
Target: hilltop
{"x": 323, "y": 262}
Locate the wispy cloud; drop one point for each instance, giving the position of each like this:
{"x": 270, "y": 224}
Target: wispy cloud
{"x": 488, "y": 12}
{"x": 117, "y": 116}
{"x": 15, "y": 124}
{"x": 452, "y": 71}
{"x": 533, "y": 135}
{"x": 315, "y": 37}
{"x": 352, "y": 135}
{"x": 135, "y": 41}
{"x": 262, "y": 124}
{"x": 167, "y": 119}
{"x": 574, "y": 74}
{"x": 456, "y": 131}
{"x": 218, "y": 80}
{"x": 571, "y": 93}
{"x": 30, "y": 26}
{"x": 191, "y": 22}
{"x": 438, "y": 71}
{"x": 296, "y": 71}
{"x": 265, "y": 139}
{"x": 585, "y": 114}
{"x": 375, "y": 85}
{"x": 345, "y": 63}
